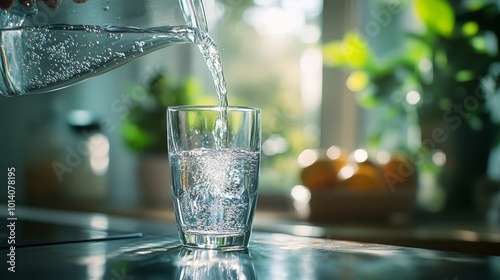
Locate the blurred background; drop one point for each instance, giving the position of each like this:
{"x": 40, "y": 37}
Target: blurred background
{"x": 373, "y": 112}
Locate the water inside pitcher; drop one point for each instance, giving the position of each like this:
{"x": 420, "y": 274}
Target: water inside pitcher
{"x": 45, "y": 48}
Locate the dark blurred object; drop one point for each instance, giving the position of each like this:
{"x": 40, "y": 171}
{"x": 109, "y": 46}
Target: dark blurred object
{"x": 493, "y": 215}
{"x": 486, "y": 192}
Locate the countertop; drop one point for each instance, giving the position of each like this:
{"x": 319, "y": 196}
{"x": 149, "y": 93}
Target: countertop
{"x": 157, "y": 254}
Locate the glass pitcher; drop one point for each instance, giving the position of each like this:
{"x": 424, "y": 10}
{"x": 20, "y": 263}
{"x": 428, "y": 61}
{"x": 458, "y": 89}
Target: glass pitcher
{"x": 51, "y": 44}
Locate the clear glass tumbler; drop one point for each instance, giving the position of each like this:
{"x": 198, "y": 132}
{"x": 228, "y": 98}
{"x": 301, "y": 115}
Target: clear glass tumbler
{"x": 214, "y": 186}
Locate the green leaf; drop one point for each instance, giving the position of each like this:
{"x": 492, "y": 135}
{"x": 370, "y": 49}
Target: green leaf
{"x": 441, "y": 58}
{"x": 191, "y": 89}
{"x": 464, "y": 75}
{"x": 416, "y": 49}
{"x": 352, "y": 51}
{"x": 474, "y": 5}
{"x": 333, "y": 54}
{"x": 475, "y": 122}
{"x": 366, "y": 99}
{"x": 374, "y": 139}
{"x": 470, "y": 28}
{"x": 357, "y": 80}
{"x": 479, "y": 43}
{"x": 445, "y": 104}
{"x": 437, "y": 15}
{"x": 135, "y": 137}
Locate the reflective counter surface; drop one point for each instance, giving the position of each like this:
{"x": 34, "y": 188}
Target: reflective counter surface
{"x": 157, "y": 254}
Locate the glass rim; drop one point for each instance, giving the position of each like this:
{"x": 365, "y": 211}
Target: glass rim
{"x": 216, "y": 108}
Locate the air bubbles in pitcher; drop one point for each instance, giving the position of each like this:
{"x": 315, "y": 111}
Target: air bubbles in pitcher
{"x": 106, "y": 5}
{"x": 117, "y": 36}
{"x": 55, "y": 56}
{"x": 138, "y": 46}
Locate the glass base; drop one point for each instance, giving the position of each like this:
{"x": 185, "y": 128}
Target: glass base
{"x": 215, "y": 241}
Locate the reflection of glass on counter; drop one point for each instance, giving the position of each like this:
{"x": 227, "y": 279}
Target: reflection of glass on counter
{"x": 213, "y": 264}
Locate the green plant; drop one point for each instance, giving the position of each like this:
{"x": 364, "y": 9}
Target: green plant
{"x": 144, "y": 127}
{"x": 443, "y": 63}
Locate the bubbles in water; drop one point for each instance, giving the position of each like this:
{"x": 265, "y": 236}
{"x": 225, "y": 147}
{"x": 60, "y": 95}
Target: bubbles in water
{"x": 138, "y": 46}
{"x": 218, "y": 188}
{"x": 50, "y": 55}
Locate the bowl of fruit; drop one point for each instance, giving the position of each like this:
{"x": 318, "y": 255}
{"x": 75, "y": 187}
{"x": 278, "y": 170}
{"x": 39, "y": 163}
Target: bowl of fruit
{"x": 342, "y": 187}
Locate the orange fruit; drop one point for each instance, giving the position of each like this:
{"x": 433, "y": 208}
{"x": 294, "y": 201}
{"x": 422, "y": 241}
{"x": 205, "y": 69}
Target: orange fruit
{"x": 320, "y": 174}
{"x": 365, "y": 177}
{"x": 364, "y": 182}
{"x": 361, "y": 173}
{"x": 338, "y": 156}
{"x": 399, "y": 171}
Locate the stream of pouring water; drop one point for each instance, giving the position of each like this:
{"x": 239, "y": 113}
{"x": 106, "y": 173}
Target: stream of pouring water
{"x": 211, "y": 55}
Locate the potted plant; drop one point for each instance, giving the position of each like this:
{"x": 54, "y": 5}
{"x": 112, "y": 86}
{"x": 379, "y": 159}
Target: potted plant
{"x": 439, "y": 91}
{"x": 144, "y": 131}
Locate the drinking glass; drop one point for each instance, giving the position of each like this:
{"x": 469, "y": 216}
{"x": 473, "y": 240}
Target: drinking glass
{"x": 214, "y": 174}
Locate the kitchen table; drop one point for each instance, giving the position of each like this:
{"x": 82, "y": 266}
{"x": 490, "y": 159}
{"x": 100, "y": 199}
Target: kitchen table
{"x": 67, "y": 245}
